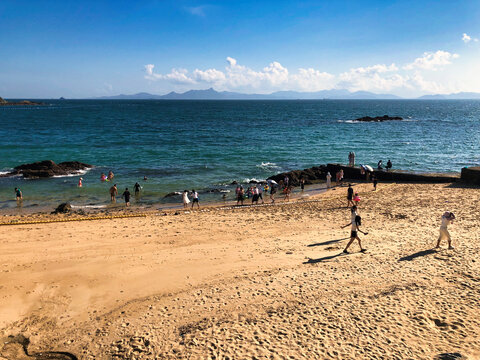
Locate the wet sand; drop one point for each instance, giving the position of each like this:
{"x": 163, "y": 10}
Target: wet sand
{"x": 257, "y": 282}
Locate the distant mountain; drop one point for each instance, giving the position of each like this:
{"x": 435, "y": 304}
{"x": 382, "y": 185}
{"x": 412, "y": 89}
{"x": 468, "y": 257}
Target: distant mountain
{"x": 211, "y": 94}
{"x": 456, "y": 96}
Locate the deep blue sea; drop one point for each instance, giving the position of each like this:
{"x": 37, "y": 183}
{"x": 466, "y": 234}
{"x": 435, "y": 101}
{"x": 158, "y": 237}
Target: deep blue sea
{"x": 207, "y": 144}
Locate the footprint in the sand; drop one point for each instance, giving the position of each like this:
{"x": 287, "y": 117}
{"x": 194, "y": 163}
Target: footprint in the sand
{"x": 16, "y": 348}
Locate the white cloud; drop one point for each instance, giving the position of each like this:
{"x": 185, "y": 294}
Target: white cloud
{"x": 432, "y": 60}
{"x": 466, "y": 38}
{"x": 414, "y": 77}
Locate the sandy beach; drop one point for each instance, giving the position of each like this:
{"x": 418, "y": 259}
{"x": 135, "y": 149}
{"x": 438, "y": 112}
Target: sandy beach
{"x": 259, "y": 283}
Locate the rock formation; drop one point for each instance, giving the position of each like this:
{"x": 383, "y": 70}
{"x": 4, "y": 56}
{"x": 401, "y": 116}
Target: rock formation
{"x": 4, "y": 102}
{"x": 378, "y": 118}
{"x": 47, "y": 168}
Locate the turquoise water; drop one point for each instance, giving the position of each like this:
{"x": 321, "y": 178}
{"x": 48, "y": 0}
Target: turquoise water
{"x": 207, "y": 144}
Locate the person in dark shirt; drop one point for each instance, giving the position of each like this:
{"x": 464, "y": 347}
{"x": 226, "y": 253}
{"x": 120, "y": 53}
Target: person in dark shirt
{"x": 126, "y": 196}
{"x": 350, "y": 195}
{"x": 137, "y": 188}
{"x": 389, "y": 165}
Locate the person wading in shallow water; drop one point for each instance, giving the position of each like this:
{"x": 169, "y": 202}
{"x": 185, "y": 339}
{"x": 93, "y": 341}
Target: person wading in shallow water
{"x": 355, "y": 223}
{"x": 18, "y": 194}
{"x": 126, "y": 196}
{"x": 113, "y": 193}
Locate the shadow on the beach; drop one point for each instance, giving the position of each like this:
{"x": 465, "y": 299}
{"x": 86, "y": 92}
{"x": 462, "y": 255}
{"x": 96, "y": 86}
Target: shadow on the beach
{"x": 417, "y": 254}
{"x": 327, "y": 242}
{"x": 325, "y": 258}
{"x": 462, "y": 185}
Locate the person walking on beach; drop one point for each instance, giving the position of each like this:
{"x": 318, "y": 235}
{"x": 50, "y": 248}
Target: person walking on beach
{"x": 195, "y": 199}
{"x": 260, "y": 193}
{"x": 375, "y": 182}
{"x": 126, "y": 196}
{"x": 329, "y": 180}
{"x": 185, "y": 199}
{"x": 447, "y": 219}
{"x": 255, "y": 195}
{"x": 302, "y": 184}
{"x": 240, "y": 195}
{"x": 350, "y": 195}
{"x": 18, "y": 194}
{"x": 355, "y": 223}
{"x": 287, "y": 191}
{"x": 273, "y": 191}
{"x": 113, "y": 193}
{"x": 356, "y": 199}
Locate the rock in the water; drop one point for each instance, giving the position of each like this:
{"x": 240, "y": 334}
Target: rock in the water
{"x": 4, "y": 102}
{"x": 234, "y": 182}
{"x": 172, "y": 194}
{"x": 63, "y": 208}
{"x": 379, "y": 118}
{"x": 47, "y": 168}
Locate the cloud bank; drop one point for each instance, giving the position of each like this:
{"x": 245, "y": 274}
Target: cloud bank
{"x": 412, "y": 76}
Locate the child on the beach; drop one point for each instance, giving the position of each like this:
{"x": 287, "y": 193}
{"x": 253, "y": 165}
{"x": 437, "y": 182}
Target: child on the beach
{"x": 356, "y": 199}
{"x": 447, "y": 219}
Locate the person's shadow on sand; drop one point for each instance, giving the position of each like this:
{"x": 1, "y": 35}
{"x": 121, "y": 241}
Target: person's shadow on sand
{"x": 417, "y": 254}
{"x": 325, "y": 258}
{"x": 327, "y": 242}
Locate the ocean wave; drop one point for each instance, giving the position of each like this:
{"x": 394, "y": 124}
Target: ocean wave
{"x": 247, "y": 180}
{"x": 268, "y": 165}
{"x": 76, "y": 173}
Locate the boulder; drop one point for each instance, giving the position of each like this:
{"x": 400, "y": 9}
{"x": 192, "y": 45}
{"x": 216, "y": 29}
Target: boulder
{"x": 47, "y": 168}
{"x": 378, "y": 118}
{"x": 471, "y": 175}
{"x": 63, "y": 208}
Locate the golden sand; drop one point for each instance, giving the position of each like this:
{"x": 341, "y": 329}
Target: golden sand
{"x": 262, "y": 282}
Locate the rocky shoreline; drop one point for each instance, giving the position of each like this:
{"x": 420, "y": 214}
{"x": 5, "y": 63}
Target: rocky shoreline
{"x": 4, "y": 102}
{"x": 48, "y": 168}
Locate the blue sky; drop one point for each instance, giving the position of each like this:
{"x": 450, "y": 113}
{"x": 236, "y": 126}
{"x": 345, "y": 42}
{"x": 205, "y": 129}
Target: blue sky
{"x": 95, "y": 48}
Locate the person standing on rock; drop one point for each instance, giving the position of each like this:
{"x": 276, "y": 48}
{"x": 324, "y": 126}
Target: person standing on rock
{"x": 389, "y": 165}
{"x": 353, "y": 159}
{"x": 447, "y": 219}
{"x": 126, "y": 196}
{"x": 18, "y": 194}
{"x": 329, "y": 180}
{"x": 286, "y": 181}
{"x": 113, "y": 193}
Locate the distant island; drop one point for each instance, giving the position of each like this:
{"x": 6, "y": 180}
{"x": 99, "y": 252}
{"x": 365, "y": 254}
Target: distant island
{"x": 335, "y": 94}
{"x": 4, "y": 102}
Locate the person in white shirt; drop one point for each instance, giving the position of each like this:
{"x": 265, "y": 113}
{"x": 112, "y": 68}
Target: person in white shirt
{"x": 329, "y": 180}
{"x": 355, "y": 222}
{"x": 186, "y": 200}
{"x": 195, "y": 199}
{"x": 447, "y": 219}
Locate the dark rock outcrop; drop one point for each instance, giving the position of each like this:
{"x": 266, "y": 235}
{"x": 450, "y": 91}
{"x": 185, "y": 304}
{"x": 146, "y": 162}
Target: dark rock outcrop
{"x": 47, "y": 168}
{"x": 471, "y": 175}
{"x": 4, "y": 102}
{"x": 63, "y": 208}
{"x": 378, "y": 118}
{"x": 318, "y": 174}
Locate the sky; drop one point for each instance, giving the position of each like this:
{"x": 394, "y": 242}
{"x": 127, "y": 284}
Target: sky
{"x": 79, "y": 49}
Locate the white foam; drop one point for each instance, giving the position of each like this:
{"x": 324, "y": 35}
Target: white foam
{"x": 268, "y": 165}
{"x": 76, "y": 173}
{"x": 247, "y": 180}
{"x": 89, "y": 206}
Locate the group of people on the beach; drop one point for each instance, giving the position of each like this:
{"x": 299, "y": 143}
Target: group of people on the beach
{"x": 353, "y": 200}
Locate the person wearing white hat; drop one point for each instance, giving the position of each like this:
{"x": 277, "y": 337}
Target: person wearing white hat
{"x": 80, "y": 182}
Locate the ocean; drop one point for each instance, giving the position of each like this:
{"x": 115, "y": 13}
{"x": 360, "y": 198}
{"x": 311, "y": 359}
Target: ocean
{"x": 205, "y": 145}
